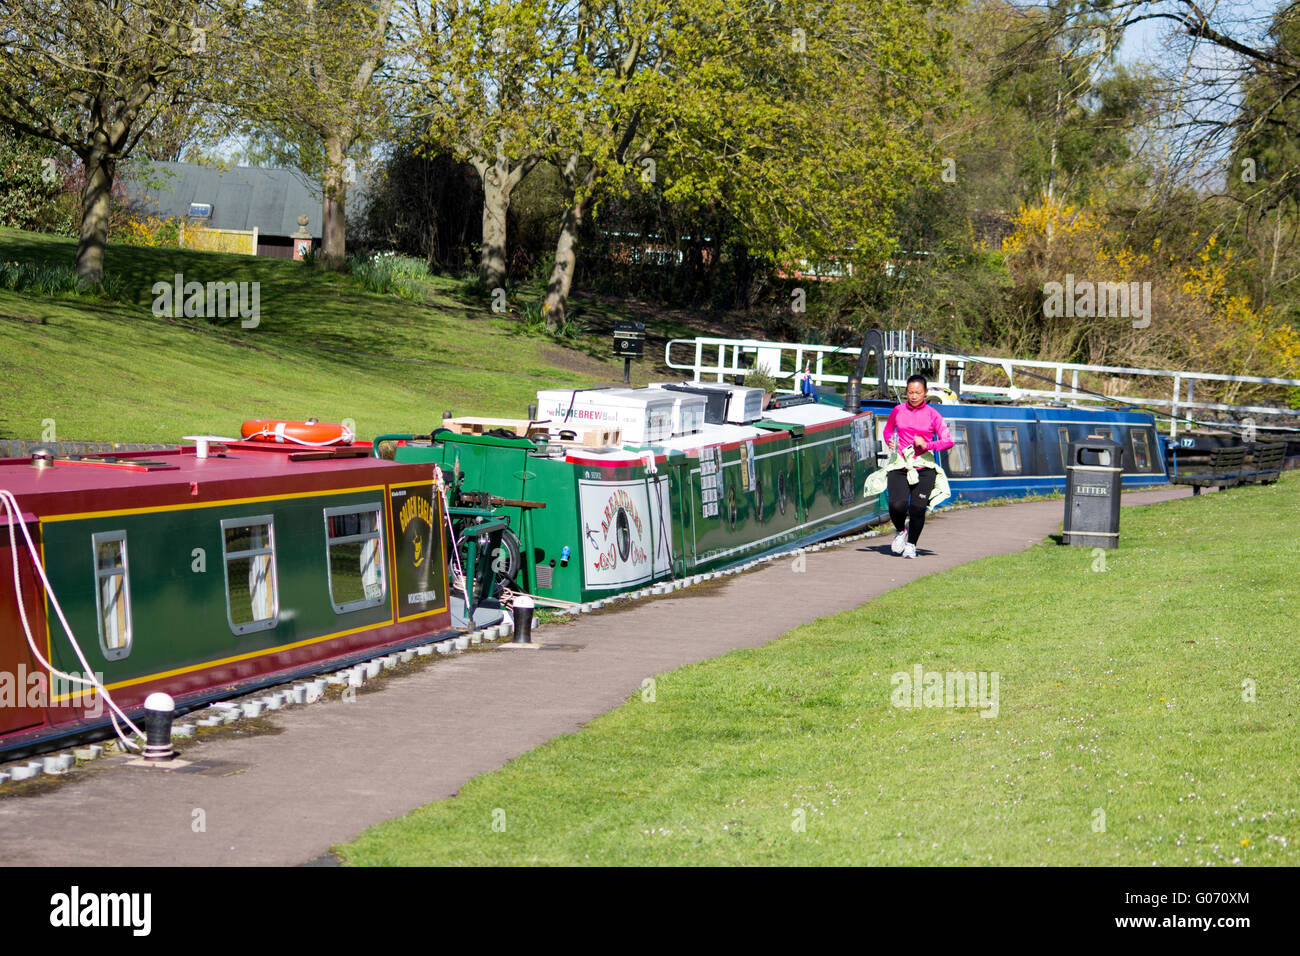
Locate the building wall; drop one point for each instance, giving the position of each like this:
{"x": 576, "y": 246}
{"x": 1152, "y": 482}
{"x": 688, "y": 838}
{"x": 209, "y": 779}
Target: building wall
{"x": 279, "y": 247}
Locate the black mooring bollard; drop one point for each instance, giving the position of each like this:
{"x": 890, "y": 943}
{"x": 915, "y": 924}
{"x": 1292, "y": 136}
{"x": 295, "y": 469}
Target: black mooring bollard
{"x": 159, "y": 709}
{"x": 523, "y": 620}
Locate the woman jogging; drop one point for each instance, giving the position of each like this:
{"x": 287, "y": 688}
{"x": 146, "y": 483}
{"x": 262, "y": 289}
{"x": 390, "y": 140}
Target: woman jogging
{"x": 913, "y": 433}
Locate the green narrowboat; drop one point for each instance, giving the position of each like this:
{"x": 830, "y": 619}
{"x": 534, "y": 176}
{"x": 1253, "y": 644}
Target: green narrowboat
{"x": 566, "y": 510}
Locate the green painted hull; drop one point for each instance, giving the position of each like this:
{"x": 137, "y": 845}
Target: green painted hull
{"x": 627, "y": 523}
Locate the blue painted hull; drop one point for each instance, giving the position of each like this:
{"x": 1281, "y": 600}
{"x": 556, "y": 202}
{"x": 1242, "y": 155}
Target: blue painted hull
{"x": 1009, "y": 451}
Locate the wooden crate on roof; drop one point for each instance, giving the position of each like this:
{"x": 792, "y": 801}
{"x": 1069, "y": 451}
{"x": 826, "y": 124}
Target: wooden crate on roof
{"x": 469, "y": 425}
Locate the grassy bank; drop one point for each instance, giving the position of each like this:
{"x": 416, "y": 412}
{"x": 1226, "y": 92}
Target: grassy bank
{"x": 1145, "y": 715}
{"x": 323, "y": 345}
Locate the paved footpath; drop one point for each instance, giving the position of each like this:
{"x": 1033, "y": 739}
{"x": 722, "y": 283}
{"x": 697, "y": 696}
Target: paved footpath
{"x": 332, "y": 769}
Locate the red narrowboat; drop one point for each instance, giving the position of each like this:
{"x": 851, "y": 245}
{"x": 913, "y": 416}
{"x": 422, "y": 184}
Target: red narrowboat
{"x": 204, "y": 572}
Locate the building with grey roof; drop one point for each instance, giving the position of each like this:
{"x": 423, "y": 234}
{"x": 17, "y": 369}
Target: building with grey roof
{"x": 229, "y": 197}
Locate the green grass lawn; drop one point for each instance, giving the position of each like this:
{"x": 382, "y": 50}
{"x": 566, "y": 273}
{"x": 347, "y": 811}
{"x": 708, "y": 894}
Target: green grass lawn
{"x": 324, "y": 346}
{"x": 1125, "y": 733}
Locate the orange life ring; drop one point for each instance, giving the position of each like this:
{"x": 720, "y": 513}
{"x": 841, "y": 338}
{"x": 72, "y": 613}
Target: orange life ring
{"x": 296, "y": 433}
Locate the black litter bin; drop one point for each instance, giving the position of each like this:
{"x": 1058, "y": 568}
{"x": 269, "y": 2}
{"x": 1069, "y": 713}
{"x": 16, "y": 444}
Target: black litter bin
{"x": 1092, "y": 490}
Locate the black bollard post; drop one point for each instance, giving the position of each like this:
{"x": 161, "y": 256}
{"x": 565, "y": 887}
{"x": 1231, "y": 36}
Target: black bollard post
{"x": 159, "y": 709}
{"x": 523, "y": 612}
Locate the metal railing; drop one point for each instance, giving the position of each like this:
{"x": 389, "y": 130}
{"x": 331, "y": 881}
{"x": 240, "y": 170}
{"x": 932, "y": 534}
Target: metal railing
{"x": 721, "y": 357}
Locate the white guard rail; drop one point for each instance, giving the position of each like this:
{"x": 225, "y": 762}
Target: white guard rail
{"x": 719, "y": 357}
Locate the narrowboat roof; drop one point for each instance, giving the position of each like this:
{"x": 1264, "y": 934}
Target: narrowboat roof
{"x": 173, "y": 476}
{"x": 800, "y": 416}
{"x": 1039, "y": 412}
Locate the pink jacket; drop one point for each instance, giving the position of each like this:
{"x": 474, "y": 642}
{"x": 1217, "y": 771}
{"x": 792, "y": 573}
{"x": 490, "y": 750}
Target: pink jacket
{"x": 908, "y": 422}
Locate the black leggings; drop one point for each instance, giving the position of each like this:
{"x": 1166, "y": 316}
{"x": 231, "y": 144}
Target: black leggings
{"x": 910, "y": 501}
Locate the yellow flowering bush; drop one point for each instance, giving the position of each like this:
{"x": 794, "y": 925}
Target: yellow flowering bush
{"x": 1201, "y": 320}
{"x": 155, "y": 231}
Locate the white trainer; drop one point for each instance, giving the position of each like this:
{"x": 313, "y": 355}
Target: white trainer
{"x": 909, "y": 551}
{"x": 900, "y": 540}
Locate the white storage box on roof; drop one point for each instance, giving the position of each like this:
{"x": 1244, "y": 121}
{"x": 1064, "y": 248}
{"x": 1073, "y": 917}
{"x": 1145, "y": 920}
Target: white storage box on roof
{"x": 642, "y": 415}
{"x": 715, "y": 402}
{"x": 688, "y": 410}
{"x": 746, "y": 403}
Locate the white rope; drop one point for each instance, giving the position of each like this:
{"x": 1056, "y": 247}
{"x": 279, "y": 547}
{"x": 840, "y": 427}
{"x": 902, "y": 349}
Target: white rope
{"x": 455, "y": 545}
{"x": 16, "y": 519}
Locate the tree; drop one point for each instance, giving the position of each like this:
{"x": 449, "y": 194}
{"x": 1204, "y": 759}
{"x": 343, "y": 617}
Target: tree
{"x": 1235, "y": 95}
{"x": 1264, "y": 169}
{"x": 92, "y": 76}
{"x": 1045, "y": 118}
{"x": 189, "y": 127}
{"x": 490, "y": 78}
{"x": 803, "y": 120}
{"x": 423, "y": 205}
{"x": 313, "y": 77}
{"x": 32, "y": 185}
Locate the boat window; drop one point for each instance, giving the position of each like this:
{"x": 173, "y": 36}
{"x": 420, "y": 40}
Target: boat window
{"x": 1141, "y": 450}
{"x": 252, "y": 598}
{"x": 355, "y": 557}
{"x": 1104, "y": 432}
{"x": 848, "y": 488}
{"x": 112, "y": 594}
{"x": 1009, "y": 450}
{"x": 959, "y": 453}
{"x": 1063, "y": 435}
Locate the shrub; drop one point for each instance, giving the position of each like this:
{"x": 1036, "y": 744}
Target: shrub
{"x": 34, "y": 191}
{"x": 390, "y": 274}
{"x": 761, "y": 377}
{"x": 155, "y": 232}
{"x": 473, "y": 286}
{"x": 54, "y": 280}
{"x": 531, "y": 319}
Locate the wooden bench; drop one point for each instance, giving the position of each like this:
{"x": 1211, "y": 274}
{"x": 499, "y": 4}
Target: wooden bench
{"x": 1266, "y": 465}
{"x": 1224, "y": 470}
